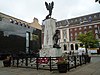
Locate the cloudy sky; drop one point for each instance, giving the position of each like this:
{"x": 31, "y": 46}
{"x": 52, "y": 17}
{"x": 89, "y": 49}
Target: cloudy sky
{"x": 63, "y": 9}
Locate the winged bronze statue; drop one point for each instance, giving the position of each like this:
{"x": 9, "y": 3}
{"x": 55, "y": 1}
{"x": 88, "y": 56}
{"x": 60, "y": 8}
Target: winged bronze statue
{"x": 49, "y": 7}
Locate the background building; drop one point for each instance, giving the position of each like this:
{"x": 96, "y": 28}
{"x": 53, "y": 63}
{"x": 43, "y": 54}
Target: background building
{"x": 18, "y": 36}
{"x": 78, "y": 25}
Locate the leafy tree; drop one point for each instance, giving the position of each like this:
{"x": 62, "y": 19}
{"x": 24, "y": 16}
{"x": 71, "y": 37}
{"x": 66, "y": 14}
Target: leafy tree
{"x": 97, "y": 1}
{"x": 88, "y": 40}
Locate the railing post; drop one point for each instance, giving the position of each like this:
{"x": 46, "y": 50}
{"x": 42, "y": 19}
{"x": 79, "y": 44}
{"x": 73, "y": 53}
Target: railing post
{"x": 17, "y": 61}
{"x": 26, "y": 61}
{"x": 68, "y": 64}
{"x": 80, "y": 60}
{"x": 75, "y": 61}
{"x": 37, "y": 63}
{"x": 50, "y": 63}
{"x": 85, "y": 59}
{"x": 12, "y": 61}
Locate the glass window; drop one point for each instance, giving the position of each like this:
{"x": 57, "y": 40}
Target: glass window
{"x": 80, "y": 28}
{"x": 71, "y": 39}
{"x": 76, "y": 46}
{"x": 90, "y": 27}
{"x": 80, "y": 20}
{"x": 71, "y": 21}
{"x": 75, "y": 33}
{"x": 85, "y": 18}
{"x": 80, "y": 32}
{"x": 85, "y": 32}
{"x": 65, "y": 47}
{"x": 95, "y": 26}
{"x": 72, "y": 47}
{"x": 96, "y": 31}
{"x": 11, "y": 21}
{"x": 71, "y": 34}
{"x": 75, "y": 20}
{"x": 95, "y": 16}
{"x": 84, "y": 27}
{"x": 75, "y": 29}
{"x": 70, "y": 29}
{"x": 90, "y": 18}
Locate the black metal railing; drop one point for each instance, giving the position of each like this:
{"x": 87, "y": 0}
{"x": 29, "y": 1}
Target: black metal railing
{"x": 48, "y": 63}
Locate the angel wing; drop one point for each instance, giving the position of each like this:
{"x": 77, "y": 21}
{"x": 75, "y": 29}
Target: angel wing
{"x": 47, "y": 6}
{"x": 52, "y": 4}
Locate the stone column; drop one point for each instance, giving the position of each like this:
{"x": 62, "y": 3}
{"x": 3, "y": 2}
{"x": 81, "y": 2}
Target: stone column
{"x": 49, "y": 31}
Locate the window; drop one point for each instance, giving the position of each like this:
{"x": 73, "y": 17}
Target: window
{"x": 71, "y": 34}
{"x": 11, "y": 21}
{"x": 90, "y": 18}
{"x": 95, "y": 26}
{"x": 65, "y": 47}
{"x": 85, "y": 32}
{"x": 64, "y": 34}
{"x": 85, "y": 18}
{"x": 84, "y": 27}
{"x": 96, "y": 31}
{"x": 76, "y": 38}
{"x": 16, "y": 22}
{"x": 80, "y": 20}
{"x": 70, "y": 29}
{"x": 80, "y": 32}
{"x": 80, "y": 28}
{"x": 75, "y": 20}
{"x": 71, "y": 39}
{"x": 90, "y": 27}
{"x": 76, "y": 46}
{"x": 75, "y": 29}
{"x": 97, "y": 37}
{"x": 71, "y": 21}
{"x": 75, "y": 33}
{"x": 72, "y": 47}
{"x": 99, "y": 15}
{"x": 95, "y": 16}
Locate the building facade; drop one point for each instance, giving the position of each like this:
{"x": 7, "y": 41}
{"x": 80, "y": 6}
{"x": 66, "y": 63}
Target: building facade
{"x": 70, "y": 28}
{"x": 19, "y": 36}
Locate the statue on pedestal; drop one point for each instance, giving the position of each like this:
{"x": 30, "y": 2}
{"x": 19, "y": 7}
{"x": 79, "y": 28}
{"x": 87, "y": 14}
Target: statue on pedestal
{"x": 49, "y": 8}
{"x": 56, "y": 38}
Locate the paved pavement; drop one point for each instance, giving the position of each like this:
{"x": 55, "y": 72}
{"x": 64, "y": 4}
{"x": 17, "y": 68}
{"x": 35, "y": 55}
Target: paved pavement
{"x": 89, "y": 69}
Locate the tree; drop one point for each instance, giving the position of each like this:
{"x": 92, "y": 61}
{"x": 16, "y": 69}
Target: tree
{"x": 87, "y": 39}
{"x": 97, "y": 1}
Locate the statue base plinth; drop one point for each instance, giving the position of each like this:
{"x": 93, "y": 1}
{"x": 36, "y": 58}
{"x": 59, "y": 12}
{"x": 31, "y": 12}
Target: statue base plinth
{"x": 50, "y": 52}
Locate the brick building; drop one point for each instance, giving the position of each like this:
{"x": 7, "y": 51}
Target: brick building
{"x": 70, "y": 28}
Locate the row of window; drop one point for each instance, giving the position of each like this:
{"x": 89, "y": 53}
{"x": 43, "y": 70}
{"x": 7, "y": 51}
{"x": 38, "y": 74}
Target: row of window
{"x": 71, "y": 46}
{"x": 76, "y": 33}
{"x": 85, "y": 27}
{"x": 19, "y": 23}
{"x": 62, "y": 23}
{"x": 89, "y": 19}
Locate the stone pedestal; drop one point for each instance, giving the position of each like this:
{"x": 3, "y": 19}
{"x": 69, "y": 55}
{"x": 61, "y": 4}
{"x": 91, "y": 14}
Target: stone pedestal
{"x": 49, "y": 31}
{"x": 50, "y": 52}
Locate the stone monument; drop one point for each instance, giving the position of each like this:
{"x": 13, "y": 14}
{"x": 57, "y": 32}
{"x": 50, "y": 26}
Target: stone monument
{"x": 51, "y": 35}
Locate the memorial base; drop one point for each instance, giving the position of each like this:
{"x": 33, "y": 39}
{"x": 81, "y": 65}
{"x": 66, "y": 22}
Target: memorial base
{"x": 50, "y": 52}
